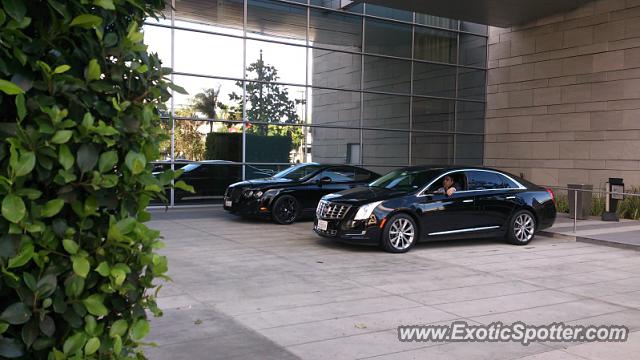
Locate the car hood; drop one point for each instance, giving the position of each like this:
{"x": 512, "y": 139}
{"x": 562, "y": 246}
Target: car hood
{"x": 264, "y": 183}
{"x": 363, "y": 195}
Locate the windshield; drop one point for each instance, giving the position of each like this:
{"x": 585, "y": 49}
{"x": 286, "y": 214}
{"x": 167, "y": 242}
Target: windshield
{"x": 404, "y": 180}
{"x": 190, "y": 167}
{"x": 297, "y": 172}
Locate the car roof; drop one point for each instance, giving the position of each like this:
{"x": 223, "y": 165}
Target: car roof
{"x": 447, "y": 168}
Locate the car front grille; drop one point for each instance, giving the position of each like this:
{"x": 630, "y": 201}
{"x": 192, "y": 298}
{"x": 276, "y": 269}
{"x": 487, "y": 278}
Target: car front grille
{"x": 233, "y": 193}
{"x": 331, "y": 211}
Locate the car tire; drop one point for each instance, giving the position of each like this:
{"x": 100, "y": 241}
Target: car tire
{"x": 522, "y": 228}
{"x": 285, "y": 210}
{"x": 396, "y": 231}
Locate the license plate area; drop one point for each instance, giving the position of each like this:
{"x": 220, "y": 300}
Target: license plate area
{"x": 322, "y": 225}
{"x": 228, "y": 203}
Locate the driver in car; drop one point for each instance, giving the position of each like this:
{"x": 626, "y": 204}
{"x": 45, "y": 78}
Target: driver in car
{"x": 449, "y": 186}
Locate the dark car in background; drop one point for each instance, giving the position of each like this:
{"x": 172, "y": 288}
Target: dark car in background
{"x": 406, "y": 206}
{"x": 293, "y": 193}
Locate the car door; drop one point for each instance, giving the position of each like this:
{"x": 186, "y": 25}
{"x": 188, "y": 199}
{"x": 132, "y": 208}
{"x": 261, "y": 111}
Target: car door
{"x": 446, "y": 215}
{"x": 495, "y": 199}
{"x": 328, "y": 181}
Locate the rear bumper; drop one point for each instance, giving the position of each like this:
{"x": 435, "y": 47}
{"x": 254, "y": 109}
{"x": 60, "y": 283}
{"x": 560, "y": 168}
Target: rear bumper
{"x": 247, "y": 208}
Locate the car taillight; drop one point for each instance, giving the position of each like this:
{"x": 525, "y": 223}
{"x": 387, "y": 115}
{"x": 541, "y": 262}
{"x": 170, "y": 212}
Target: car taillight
{"x": 553, "y": 197}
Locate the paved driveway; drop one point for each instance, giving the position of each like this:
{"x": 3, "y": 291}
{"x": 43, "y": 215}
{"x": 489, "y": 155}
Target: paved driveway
{"x": 255, "y": 290}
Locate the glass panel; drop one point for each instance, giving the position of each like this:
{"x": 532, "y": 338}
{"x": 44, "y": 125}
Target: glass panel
{"x": 275, "y": 144}
{"x": 334, "y": 107}
{"x": 335, "y": 30}
{"x": 331, "y": 145}
{"x": 387, "y": 38}
{"x": 381, "y": 147}
{"x": 470, "y": 117}
{"x": 436, "y": 45}
{"x": 209, "y": 179}
{"x": 431, "y": 149}
{"x": 334, "y": 69}
{"x": 389, "y": 13}
{"x": 158, "y": 39}
{"x": 386, "y": 111}
{"x": 192, "y": 144}
{"x": 434, "y": 80}
{"x": 473, "y": 50}
{"x": 469, "y": 149}
{"x": 433, "y": 114}
{"x": 208, "y": 98}
{"x": 274, "y": 103}
{"x": 268, "y": 18}
{"x": 473, "y": 27}
{"x": 268, "y": 57}
{"x": 471, "y": 84}
{"x": 199, "y": 53}
{"x": 219, "y": 16}
{"x": 391, "y": 75}
{"x": 436, "y": 21}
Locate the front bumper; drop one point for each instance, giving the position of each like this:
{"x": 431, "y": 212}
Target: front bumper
{"x": 349, "y": 231}
{"x": 247, "y": 207}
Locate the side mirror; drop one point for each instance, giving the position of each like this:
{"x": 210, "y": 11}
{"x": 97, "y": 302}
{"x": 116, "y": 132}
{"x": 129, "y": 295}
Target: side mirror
{"x": 324, "y": 180}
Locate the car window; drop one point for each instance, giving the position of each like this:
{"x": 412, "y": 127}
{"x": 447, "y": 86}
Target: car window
{"x": 362, "y": 175}
{"x": 507, "y": 183}
{"x": 484, "y": 180}
{"x": 338, "y": 174}
{"x": 459, "y": 179}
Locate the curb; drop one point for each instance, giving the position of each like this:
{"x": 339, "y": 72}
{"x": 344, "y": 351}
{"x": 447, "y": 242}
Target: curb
{"x": 590, "y": 240}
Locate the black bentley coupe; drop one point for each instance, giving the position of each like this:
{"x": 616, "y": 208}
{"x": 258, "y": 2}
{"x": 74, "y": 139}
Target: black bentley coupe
{"x": 412, "y": 204}
{"x": 293, "y": 193}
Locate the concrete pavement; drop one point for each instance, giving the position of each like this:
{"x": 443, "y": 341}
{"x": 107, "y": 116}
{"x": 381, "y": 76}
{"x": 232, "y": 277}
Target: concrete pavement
{"x": 623, "y": 234}
{"x": 256, "y": 290}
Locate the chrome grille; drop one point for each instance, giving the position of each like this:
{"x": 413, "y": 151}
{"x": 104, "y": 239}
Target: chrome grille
{"x": 332, "y": 211}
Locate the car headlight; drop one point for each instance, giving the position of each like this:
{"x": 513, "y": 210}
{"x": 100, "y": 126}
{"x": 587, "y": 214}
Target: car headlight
{"x": 258, "y": 194}
{"x": 248, "y": 193}
{"x": 365, "y": 211}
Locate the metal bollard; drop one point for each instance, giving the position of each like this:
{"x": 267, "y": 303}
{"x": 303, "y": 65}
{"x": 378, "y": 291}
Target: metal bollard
{"x": 575, "y": 212}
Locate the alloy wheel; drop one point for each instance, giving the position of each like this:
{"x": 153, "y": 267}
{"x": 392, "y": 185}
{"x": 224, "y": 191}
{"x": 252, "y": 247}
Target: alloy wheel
{"x": 401, "y": 234}
{"x": 524, "y": 227}
{"x": 287, "y": 210}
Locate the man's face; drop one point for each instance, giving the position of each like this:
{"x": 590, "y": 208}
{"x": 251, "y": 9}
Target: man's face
{"x": 447, "y": 182}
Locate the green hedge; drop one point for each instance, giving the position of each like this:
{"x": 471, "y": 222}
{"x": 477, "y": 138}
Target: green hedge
{"x": 79, "y": 97}
{"x": 259, "y": 148}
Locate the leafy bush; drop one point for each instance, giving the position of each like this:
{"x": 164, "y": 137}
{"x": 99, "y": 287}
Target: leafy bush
{"x": 629, "y": 208}
{"x": 562, "y": 203}
{"x": 78, "y": 98}
{"x": 598, "y": 202}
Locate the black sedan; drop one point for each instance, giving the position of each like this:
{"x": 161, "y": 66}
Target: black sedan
{"x": 413, "y": 204}
{"x": 293, "y": 193}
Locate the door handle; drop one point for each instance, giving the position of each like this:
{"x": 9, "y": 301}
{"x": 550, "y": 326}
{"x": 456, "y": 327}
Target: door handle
{"x": 467, "y": 201}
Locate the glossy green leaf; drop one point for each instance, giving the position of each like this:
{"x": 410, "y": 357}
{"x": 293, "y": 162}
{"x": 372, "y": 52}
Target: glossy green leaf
{"x": 13, "y": 208}
{"x": 107, "y": 161}
{"x": 183, "y": 186}
{"x": 74, "y": 343}
{"x": 92, "y": 346}
{"x": 61, "y": 136}
{"x": 92, "y": 72}
{"x": 95, "y": 305}
{"x": 70, "y": 246}
{"x": 17, "y": 9}
{"x": 87, "y": 157}
{"x": 86, "y": 21}
{"x": 65, "y": 157}
{"x": 26, "y": 163}
{"x": 10, "y": 88}
{"x": 139, "y": 329}
{"x": 103, "y": 269}
{"x": 16, "y": 314}
{"x": 81, "y": 266}
{"x": 3, "y": 327}
{"x": 21, "y": 108}
{"x": 105, "y": 4}
{"x": 136, "y": 162}
{"x": 61, "y": 69}
{"x": 11, "y": 348}
{"x": 24, "y": 255}
{"x": 52, "y": 208}
{"x": 118, "y": 328}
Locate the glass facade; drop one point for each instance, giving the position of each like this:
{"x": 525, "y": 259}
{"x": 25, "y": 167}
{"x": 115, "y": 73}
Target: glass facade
{"x": 272, "y": 83}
